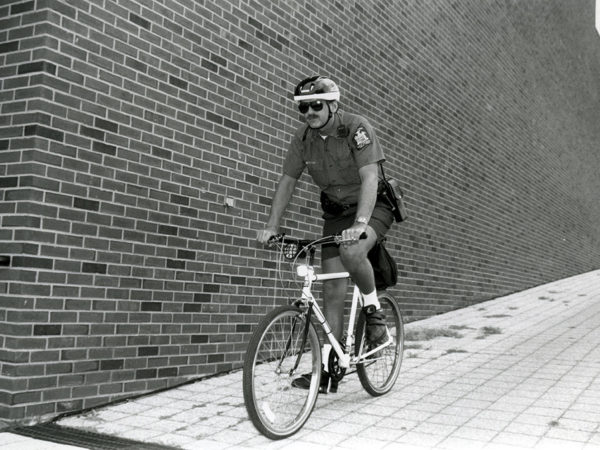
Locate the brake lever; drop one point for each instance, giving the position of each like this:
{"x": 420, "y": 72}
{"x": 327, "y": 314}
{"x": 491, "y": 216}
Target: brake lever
{"x": 276, "y": 238}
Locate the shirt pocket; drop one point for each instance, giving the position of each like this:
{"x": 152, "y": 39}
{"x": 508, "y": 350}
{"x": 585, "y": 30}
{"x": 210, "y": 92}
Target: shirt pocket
{"x": 319, "y": 173}
{"x": 346, "y": 170}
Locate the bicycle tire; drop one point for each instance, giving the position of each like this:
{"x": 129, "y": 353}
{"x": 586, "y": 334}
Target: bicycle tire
{"x": 276, "y": 408}
{"x": 379, "y": 373}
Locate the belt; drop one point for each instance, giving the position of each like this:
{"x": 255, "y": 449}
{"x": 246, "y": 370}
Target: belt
{"x": 333, "y": 207}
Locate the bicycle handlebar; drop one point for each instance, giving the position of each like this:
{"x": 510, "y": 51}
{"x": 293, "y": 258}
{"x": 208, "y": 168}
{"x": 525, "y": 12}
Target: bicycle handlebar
{"x": 334, "y": 238}
{"x": 294, "y": 248}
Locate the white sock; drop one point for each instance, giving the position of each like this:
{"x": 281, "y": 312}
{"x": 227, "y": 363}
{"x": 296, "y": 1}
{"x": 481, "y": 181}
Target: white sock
{"x": 325, "y": 356}
{"x": 371, "y": 299}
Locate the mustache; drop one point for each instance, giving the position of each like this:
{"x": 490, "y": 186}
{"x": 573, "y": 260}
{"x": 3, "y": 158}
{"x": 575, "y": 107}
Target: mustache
{"x": 312, "y": 116}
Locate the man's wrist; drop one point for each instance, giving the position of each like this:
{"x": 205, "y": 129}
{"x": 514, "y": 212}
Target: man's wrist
{"x": 362, "y": 219}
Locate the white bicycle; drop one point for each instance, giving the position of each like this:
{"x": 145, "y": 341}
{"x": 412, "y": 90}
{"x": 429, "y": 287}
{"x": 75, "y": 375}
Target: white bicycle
{"x": 285, "y": 345}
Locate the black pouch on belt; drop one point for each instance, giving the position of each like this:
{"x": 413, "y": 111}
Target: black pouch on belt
{"x": 331, "y": 206}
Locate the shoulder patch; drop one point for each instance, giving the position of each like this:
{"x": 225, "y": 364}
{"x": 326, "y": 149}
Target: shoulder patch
{"x": 361, "y": 138}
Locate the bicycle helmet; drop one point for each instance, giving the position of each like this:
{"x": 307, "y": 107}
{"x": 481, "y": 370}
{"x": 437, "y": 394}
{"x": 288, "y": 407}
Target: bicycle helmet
{"x": 316, "y": 88}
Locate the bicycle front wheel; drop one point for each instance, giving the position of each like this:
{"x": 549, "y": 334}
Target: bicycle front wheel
{"x": 283, "y": 347}
{"x": 379, "y": 372}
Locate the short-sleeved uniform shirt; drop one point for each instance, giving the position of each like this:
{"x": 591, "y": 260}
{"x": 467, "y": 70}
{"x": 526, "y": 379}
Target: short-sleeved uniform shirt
{"x": 333, "y": 162}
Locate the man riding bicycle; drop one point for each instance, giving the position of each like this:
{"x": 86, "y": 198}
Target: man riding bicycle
{"x": 341, "y": 153}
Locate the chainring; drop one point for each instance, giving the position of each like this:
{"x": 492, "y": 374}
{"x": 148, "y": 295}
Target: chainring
{"x": 335, "y": 371}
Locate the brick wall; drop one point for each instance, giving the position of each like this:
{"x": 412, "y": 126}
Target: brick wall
{"x": 125, "y": 125}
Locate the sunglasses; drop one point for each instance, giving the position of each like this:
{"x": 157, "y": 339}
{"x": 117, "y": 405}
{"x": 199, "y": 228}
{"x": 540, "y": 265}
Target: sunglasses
{"x": 316, "y": 106}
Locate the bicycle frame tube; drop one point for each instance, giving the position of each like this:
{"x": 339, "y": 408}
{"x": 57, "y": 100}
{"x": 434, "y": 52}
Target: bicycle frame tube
{"x": 308, "y": 272}
{"x": 310, "y": 277}
{"x": 356, "y": 298}
{"x": 344, "y": 359}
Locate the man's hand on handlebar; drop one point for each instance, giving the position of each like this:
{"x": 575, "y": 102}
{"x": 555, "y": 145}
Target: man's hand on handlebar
{"x": 263, "y": 236}
{"x": 353, "y": 234}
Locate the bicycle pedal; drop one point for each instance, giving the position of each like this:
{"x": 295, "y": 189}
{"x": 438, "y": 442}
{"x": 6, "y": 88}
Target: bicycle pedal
{"x": 329, "y": 384}
{"x": 331, "y": 387}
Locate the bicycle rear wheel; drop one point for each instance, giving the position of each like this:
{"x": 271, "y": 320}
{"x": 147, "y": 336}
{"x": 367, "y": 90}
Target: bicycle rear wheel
{"x": 379, "y": 372}
{"x": 277, "y": 354}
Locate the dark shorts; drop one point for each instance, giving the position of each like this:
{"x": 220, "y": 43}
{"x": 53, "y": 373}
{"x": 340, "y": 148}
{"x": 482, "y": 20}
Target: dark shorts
{"x": 381, "y": 221}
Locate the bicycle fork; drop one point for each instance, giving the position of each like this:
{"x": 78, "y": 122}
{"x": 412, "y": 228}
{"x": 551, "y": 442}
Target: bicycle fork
{"x": 288, "y": 344}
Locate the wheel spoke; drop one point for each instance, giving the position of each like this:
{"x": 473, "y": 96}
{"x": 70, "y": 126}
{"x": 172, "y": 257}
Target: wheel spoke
{"x": 276, "y": 407}
{"x": 379, "y": 372}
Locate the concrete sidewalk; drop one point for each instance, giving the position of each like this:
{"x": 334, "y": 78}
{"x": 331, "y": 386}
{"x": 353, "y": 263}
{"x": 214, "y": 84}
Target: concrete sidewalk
{"x": 517, "y": 372}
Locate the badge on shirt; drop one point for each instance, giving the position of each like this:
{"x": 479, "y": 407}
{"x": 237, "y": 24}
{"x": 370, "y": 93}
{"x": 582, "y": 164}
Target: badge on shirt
{"x": 361, "y": 138}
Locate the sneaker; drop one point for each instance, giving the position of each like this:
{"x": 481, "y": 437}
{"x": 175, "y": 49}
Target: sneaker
{"x": 376, "y": 331}
{"x": 328, "y": 384}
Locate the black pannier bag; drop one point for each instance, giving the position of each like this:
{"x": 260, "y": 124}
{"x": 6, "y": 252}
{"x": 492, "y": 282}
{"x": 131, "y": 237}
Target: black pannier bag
{"x": 384, "y": 266}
